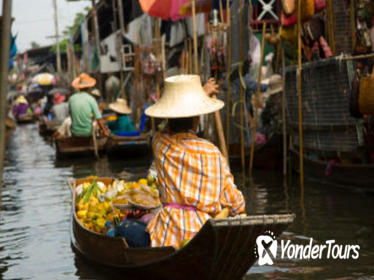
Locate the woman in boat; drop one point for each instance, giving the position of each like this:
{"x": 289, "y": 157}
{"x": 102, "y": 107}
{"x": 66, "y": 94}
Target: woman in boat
{"x": 123, "y": 122}
{"x": 194, "y": 178}
{"x": 21, "y": 107}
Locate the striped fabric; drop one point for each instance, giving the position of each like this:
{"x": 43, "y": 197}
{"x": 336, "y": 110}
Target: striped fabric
{"x": 191, "y": 171}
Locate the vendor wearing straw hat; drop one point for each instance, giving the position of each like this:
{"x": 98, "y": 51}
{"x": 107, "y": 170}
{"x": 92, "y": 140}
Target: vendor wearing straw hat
{"x": 194, "y": 178}
{"x": 83, "y": 108}
{"x": 21, "y": 106}
{"x": 123, "y": 122}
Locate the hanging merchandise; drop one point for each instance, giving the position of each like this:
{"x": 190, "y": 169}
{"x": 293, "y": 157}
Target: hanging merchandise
{"x": 364, "y": 11}
{"x": 319, "y": 5}
{"x": 313, "y": 29}
{"x": 288, "y": 20}
{"x": 307, "y": 9}
{"x": 366, "y": 97}
{"x": 325, "y": 47}
{"x": 363, "y": 44}
{"x": 216, "y": 46}
{"x": 272, "y": 38}
{"x": 289, "y": 6}
{"x": 354, "y": 108}
{"x": 288, "y": 33}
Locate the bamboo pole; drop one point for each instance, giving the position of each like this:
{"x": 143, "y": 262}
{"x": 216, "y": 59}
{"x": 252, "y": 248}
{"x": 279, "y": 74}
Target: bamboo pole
{"x": 157, "y": 52}
{"x": 58, "y": 53}
{"x": 119, "y": 44}
{"x": 189, "y": 64}
{"x": 300, "y": 103}
{"x": 229, "y": 54}
{"x": 4, "y": 64}
{"x": 284, "y": 131}
{"x": 353, "y": 23}
{"x": 241, "y": 90}
{"x": 195, "y": 60}
{"x": 331, "y": 27}
{"x": 254, "y": 126}
{"x": 163, "y": 60}
{"x": 221, "y": 11}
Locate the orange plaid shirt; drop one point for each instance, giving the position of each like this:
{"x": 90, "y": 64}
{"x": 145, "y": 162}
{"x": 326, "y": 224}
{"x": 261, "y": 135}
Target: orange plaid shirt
{"x": 191, "y": 171}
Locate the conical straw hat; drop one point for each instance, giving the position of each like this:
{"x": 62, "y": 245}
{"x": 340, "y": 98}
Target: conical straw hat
{"x": 183, "y": 97}
{"x": 120, "y": 106}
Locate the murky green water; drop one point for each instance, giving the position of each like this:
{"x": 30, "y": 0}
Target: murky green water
{"x": 36, "y": 203}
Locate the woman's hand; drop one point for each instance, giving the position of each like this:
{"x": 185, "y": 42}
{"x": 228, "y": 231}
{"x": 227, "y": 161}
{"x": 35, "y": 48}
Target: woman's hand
{"x": 211, "y": 87}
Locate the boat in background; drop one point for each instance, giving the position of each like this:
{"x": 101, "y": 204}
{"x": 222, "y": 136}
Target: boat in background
{"x": 125, "y": 146}
{"x": 336, "y": 152}
{"x": 25, "y": 119}
{"x": 78, "y": 146}
{"x": 205, "y": 256}
{"x": 356, "y": 177}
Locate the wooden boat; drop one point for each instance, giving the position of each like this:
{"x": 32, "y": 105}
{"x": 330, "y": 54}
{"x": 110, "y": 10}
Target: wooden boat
{"x": 129, "y": 145}
{"x": 30, "y": 118}
{"x": 357, "y": 177}
{"x": 78, "y": 146}
{"x": 9, "y": 127}
{"x": 266, "y": 156}
{"x": 223, "y": 249}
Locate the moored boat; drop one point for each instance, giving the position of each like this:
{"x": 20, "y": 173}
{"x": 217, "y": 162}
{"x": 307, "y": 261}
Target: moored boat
{"x": 356, "y": 177}
{"x": 24, "y": 119}
{"x": 128, "y": 145}
{"x": 78, "y": 146}
{"x": 205, "y": 256}
{"x": 267, "y": 155}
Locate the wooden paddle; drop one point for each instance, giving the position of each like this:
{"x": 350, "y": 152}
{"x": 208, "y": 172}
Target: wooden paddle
{"x": 94, "y": 140}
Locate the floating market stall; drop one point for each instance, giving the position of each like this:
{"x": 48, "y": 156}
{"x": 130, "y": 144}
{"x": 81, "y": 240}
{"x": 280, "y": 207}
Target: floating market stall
{"x": 205, "y": 255}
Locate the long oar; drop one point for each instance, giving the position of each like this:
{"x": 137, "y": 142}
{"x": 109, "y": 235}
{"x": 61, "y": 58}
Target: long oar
{"x": 94, "y": 140}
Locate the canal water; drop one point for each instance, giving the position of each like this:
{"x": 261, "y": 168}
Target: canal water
{"x": 35, "y": 205}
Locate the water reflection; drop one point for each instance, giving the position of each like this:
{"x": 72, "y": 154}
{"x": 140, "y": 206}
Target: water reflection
{"x": 36, "y": 203}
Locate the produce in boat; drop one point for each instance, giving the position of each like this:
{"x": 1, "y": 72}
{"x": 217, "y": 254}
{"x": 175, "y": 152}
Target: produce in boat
{"x": 95, "y": 201}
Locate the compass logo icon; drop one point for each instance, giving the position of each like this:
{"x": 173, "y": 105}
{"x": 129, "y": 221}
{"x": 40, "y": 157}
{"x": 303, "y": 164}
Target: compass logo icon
{"x": 266, "y": 248}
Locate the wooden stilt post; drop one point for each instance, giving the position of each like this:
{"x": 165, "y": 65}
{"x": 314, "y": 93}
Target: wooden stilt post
{"x": 119, "y": 46}
{"x": 241, "y": 58}
{"x": 284, "y": 131}
{"x": 4, "y": 66}
{"x": 228, "y": 75}
{"x": 195, "y": 54}
{"x": 299, "y": 91}
{"x": 331, "y": 27}
{"x": 254, "y": 125}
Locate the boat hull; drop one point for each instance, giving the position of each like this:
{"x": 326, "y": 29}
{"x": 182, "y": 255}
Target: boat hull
{"x": 25, "y": 119}
{"x": 356, "y": 177}
{"x": 205, "y": 256}
{"x": 120, "y": 146}
{"x": 78, "y": 146}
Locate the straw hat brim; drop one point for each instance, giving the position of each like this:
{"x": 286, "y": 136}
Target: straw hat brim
{"x": 274, "y": 90}
{"x": 77, "y": 83}
{"x": 96, "y": 93}
{"x": 190, "y": 109}
{"x": 183, "y": 97}
{"x": 119, "y": 108}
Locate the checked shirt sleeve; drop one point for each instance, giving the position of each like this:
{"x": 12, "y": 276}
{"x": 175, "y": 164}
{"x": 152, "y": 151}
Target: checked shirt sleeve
{"x": 231, "y": 197}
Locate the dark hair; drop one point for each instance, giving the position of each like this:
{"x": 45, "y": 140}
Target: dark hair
{"x": 180, "y": 124}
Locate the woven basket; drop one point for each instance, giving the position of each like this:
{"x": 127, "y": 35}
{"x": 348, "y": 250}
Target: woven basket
{"x": 366, "y": 98}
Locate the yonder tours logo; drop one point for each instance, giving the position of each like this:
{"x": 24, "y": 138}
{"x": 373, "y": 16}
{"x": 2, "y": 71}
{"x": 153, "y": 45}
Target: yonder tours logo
{"x": 266, "y": 250}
